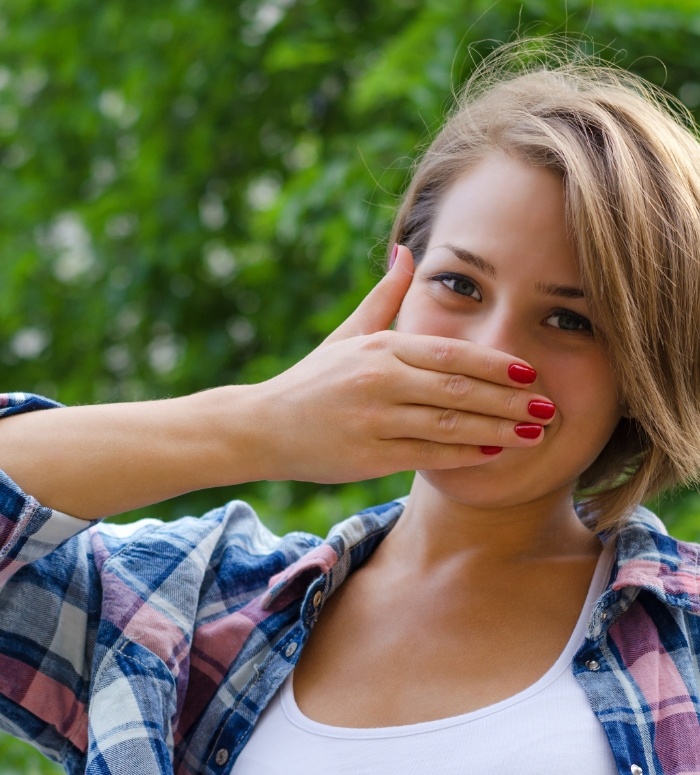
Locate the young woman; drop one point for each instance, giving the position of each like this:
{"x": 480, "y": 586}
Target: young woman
{"x": 518, "y": 611}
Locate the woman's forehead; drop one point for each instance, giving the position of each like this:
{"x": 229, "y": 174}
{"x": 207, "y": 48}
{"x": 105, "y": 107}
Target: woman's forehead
{"x": 505, "y": 207}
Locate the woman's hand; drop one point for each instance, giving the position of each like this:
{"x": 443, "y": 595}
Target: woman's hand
{"x": 367, "y": 402}
{"x": 371, "y": 401}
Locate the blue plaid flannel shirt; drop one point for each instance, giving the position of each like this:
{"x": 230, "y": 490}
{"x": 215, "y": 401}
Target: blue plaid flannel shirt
{"x": 160, "y": 643}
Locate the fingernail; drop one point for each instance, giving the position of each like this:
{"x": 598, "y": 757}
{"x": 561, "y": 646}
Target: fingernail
{"x": 528, "y": 430}
{"x": 394, "y": 253}
{"x": 491, "y": 450}
{"x": 523, "y": 374}
{"x": 544, "y": 410}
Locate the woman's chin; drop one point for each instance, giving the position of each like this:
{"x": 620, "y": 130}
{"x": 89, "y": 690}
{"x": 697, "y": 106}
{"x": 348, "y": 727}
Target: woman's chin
{"x": 472, "y": 485}
{"x": 501, "y": 483}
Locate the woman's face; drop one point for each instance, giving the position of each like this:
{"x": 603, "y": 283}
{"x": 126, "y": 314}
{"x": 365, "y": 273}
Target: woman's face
{"x": 500, "y": 271}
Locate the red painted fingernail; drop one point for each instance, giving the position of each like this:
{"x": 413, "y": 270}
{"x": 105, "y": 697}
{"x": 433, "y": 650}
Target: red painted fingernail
{"x": 394, "y": 253}
{"x": 491, "y": 450}
{"x": 523, "y": 374}
{"x": 528, "y": 430}
{"x": 544, "y": 410}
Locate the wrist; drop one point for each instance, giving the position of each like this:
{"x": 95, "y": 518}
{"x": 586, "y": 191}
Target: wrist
{"x": 228, "y": 433}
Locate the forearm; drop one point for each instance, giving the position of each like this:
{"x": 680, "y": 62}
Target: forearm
{"x": 93, "y": 461}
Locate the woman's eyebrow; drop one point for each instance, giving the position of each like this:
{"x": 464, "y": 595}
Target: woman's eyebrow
{"x": 471, "y": 258}
{"x": 545, "y": 289}
{"x": 563, "y": 291}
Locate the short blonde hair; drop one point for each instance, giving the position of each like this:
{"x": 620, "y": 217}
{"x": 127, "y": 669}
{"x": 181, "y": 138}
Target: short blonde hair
{"x": 629, "y": 158}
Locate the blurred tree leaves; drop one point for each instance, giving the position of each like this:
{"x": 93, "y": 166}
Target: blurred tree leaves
{"x": 196, "y": 192}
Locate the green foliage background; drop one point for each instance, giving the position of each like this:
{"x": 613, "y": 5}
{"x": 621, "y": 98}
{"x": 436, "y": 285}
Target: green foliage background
{"x": 195, "y": 192}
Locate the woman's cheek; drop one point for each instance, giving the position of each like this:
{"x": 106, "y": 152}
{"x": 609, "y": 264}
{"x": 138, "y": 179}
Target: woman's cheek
{"x": 584, "y": 391}
{"x": 427, "y": 316}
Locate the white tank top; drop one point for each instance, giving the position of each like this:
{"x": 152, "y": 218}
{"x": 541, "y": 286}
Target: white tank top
{"x": 547, "y": 729}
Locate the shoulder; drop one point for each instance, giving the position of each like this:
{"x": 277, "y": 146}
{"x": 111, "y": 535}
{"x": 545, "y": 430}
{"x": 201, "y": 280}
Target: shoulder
{"x": 229, "y": 539}
{"x": 650, "y": 559}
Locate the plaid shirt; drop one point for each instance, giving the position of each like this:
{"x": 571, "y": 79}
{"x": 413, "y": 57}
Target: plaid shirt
{"x": 160, "y": 643}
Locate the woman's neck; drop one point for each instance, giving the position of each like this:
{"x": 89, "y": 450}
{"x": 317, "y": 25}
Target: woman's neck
{"x": 435, "y": 529}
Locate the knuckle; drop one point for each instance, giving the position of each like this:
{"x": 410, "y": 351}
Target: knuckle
{"x": 512, "y": 400}
{"x": 449, "y": 421}
{"x": 459, "y": 386}
{"x": 491, "y": 363}
{"x": 505, "y": 430}
{"x": 445, "y": 353}
{"x": 427, "y": 453}
{"x": 369, "y": 377}
{"x": 378, "y": 341}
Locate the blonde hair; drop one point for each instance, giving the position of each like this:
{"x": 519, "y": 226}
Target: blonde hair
{"x": 630, "y": 164}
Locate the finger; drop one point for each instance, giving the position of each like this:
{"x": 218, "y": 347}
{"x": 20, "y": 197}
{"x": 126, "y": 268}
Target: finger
{"x": 457, "y": 391}
{"x": 450, "y": 426}
{"x": 458, "y": 356}
{"x": 379, "y": 308}
{"x": 421, "y": 455}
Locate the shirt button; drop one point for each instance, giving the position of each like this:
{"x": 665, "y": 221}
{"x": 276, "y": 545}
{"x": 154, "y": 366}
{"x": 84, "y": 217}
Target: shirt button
{"x": 318, "y": 599}
{"x": 594, "y": 665}
{"x": 221, "y": 757}
{"x": 291, "y": 649}
{"x": 635, "y": 769}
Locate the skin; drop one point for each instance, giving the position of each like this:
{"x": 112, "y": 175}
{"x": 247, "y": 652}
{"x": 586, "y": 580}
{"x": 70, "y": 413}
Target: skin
{"x": 473, "y": 558}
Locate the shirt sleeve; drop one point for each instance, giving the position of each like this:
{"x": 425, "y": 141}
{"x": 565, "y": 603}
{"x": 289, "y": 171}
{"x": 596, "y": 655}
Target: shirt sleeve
{"x": 103, "y": 616}
{"x": 28, "y": 530}
{"x": 18, "y": 403}
{"x": 47, "y": 587}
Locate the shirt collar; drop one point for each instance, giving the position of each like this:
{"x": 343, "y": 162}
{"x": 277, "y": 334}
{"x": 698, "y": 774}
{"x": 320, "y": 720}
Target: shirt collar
{"x": 647, "y": 559}
{"x": 348, "y": 545}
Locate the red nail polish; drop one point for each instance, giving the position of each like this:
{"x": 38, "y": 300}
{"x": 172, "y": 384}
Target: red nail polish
{"x": 394, "y": 253}
{"x": 523, "y": 374}
{"x": 491, "y": 450}
{"x": 528, "y": 430}
{"x": 544, "y": 410}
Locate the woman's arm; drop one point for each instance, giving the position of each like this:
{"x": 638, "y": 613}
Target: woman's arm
{"x": 92, "y": 461}
{"x": 367, "y": 402}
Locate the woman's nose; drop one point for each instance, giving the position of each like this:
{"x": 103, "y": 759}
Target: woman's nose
{"x": 500, "y": 330}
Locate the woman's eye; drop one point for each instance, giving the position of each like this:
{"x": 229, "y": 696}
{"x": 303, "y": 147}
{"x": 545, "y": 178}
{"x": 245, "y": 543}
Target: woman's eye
{"x": 569, "y": 321}
{"x": 459, "y": 284}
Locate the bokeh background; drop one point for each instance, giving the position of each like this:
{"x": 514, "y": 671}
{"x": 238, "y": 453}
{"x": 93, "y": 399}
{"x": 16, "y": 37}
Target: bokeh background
{"x": 195, "y": 192}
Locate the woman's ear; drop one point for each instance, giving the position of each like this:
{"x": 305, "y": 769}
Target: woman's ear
{"x": 625, "y": 411}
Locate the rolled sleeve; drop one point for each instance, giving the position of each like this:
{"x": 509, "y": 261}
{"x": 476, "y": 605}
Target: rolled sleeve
{"x": 28, "y": 530}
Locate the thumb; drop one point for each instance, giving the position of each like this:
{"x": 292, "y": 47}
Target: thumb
{"x": 378, "y": 309}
